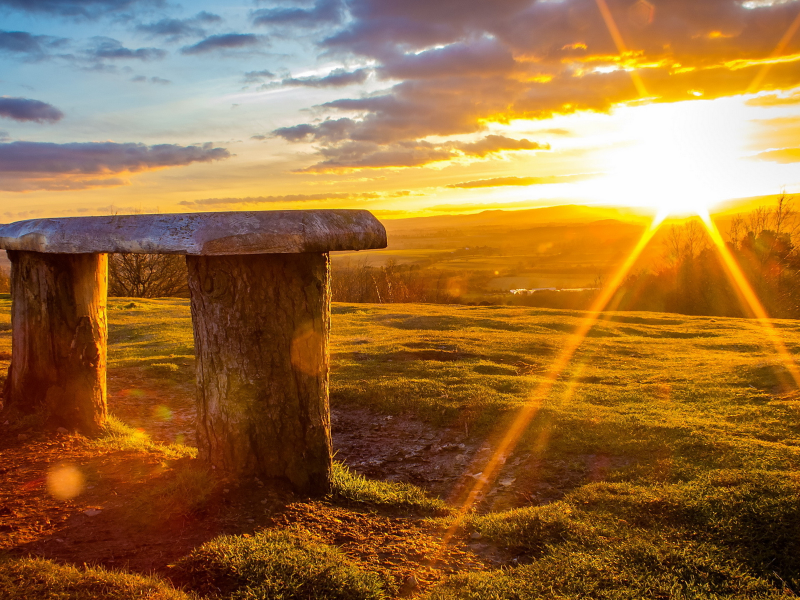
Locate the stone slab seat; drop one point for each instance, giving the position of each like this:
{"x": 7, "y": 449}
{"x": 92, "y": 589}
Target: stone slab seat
{"x": 259, "y": 283}
{"x": 207, "y": 234}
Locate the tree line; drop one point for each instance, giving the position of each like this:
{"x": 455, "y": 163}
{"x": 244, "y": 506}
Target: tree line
{"x": 690, "y": 278}
{"x": 693, "y": 280}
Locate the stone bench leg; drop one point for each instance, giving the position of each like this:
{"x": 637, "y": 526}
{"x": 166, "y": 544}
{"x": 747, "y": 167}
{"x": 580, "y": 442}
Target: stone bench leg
{"x": 59, "y": 338}
{"x": 261, "y": 326}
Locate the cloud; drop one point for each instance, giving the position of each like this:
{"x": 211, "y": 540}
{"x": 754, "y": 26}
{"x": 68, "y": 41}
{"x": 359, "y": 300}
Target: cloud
{"x": 258, "y": 76}
{"x": 354, "y": 155}
{"x": 775, "y": 99}
{"x": 101, "y": 157}
{"x": 77, "y": 8}
{"x": 226, "y": 41}
{"x": 81, "y": 165}
{"x": 20, "y": 42}
{"x": 520, "y": 181}
{"x": 28, "y": 46}
{"x": 784, "y": 155}
{"x": 492, "y": 144}
{"x": 328, "y": 131}
{"x": 4, "y": 137}
{"x": 454, "y": 66}
{"x": 336, "y": 78}
{"x": 324, "y": 12}
{"x": 339, "y": 197}
{"x": 154, "y": 79}
{"x": 23, "y": 109}
{"x": 111, "y": 49}
{"x": 173, "y": 30}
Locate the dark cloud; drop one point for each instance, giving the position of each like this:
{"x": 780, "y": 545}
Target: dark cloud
{"x": 324, "y": 12}
{"x": 492, "y": 144}
{"x": 176, "y": 29}
{"x": 329, "y": 131}
{"x": 20, "y": 42}
{"x": 104, "y": 48}
{"x": 27, "y": 46}
{"x": 519, "y": 181}
{"x": 336, "y": 78}
{"x": 100, "y": 157}
{"x": 83, "y": 165}
{"x": 226, "y": 41}
{"x": 258, "y": 76}
{"x": 207, "y": 17}
{"x": 77, "y": 8}
{"x": 354, "y": 155}
{"x": 23, "y": 109}
{"x": 455, "y": 65}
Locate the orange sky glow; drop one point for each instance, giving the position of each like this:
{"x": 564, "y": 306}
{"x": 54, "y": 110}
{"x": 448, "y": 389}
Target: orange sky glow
{"x": 406, "y": 110}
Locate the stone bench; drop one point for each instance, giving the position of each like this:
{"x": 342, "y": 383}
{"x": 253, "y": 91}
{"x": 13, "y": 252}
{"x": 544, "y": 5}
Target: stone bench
{"x": 260, "y": 301}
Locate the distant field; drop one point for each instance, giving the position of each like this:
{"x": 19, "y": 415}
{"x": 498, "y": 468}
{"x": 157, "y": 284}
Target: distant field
{"x": 663, "y": 463}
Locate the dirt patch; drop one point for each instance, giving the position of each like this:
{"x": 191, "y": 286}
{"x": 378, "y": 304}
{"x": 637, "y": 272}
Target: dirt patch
{"x": 132, "y": 514}
{"x": 163, "y": 408}
{"x": 397, "y": 448}
{"x": 95, "y": 526}
{"x": 395, "y": 546}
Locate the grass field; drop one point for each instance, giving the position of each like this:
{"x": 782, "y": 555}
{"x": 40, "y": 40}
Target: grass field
{"x": 662, "y": 464}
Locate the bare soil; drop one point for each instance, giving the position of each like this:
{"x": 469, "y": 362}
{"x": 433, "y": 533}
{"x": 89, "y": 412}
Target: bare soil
{"x": 127, "y": 517}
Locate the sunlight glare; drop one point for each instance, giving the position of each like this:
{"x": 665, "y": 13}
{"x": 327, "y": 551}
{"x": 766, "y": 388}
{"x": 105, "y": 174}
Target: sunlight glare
{"x": 673, "y": 158}
{"x": 64, "y": 482}
{"x": 750, "y": 300}
{"x": 528, "y": 412}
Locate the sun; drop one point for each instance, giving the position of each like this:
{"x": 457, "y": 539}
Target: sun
{"x": 677, "y": 159}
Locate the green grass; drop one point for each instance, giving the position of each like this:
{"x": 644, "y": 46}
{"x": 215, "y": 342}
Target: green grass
{"x": 349, "y": 486}
{"x": 154, "y": 330}
{"x": 276, "y": 565}
{"x": 28, "y": 578}
{"x": 670, "y": 444}
{"x": 116, "y": 435}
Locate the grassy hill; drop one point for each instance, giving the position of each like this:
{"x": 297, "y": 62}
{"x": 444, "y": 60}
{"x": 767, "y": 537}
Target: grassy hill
{"x": 663, "y": 464}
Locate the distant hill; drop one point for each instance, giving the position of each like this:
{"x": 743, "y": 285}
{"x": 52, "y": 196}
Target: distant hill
{"x": 515, "y": 219}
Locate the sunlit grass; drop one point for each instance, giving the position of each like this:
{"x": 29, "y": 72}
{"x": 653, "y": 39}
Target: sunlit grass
{"x": 728, "y": 533}
{"x": 28, "y": 578}
{"x": 116, "y": 435}
{"x": 277, "y": 564}
{"x": 691, "y": 416}
{"x": 352, "y": 487}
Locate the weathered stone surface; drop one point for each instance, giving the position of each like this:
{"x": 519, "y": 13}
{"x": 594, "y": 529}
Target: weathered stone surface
{"x": 220, "y": 233}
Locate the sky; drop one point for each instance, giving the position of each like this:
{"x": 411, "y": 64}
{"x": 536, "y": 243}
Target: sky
{"x": 402, "y": 107}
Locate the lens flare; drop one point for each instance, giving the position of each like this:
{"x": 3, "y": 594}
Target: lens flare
{"x": 620, "y": 44}
{"x": 749, "y": 299}
{"x": 531, "y": 408}
{"x": 65, "y": 482}
{"x": 762, "y": 73}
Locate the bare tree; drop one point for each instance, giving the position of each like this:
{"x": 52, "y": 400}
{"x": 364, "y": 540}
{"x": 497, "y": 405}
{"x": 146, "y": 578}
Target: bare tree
{"x": 759, "y": 219}
{"x": 673, "y": 244}
{"x": 737, "y": 230}
{"x": 147, "y": 275}
{"x": 695, "y": 239}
